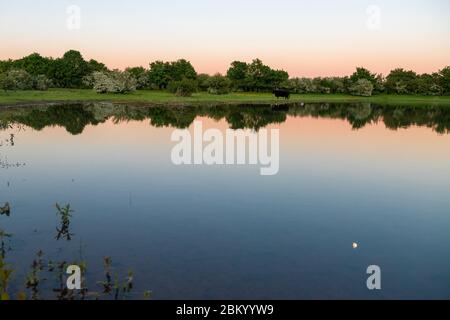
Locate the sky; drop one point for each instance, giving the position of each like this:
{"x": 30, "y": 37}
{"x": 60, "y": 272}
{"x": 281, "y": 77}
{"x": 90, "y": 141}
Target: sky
{"x": 305, "y": 38}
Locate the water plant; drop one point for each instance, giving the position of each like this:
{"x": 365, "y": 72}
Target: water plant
{"x": 5, "y": 276}
{"x": 45, "y": 275}
{"x": 65, "y": 213}
{"x": 6, "y": 209}
{"x": 33, "y": 279}
{"x": 115, "y": 289}
{"x": 3, "y": 237}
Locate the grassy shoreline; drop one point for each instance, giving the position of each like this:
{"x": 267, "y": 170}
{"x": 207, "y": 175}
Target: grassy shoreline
{"x": 165, "y": 98}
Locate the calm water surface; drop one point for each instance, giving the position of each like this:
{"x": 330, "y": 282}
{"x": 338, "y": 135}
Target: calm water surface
{"x": 375, "y": 175}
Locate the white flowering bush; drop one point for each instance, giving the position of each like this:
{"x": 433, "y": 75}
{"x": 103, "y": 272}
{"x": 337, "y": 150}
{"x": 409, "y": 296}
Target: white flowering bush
{"x": 113, "y": 82}
{"x": 362, "y": 87}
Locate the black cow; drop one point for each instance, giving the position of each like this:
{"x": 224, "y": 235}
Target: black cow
{"x": 281, "y": 93}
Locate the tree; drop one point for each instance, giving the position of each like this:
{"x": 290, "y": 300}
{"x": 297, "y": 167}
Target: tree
{"x": 6, "y": 83}
{"x": 362, "y": 87}
{"x": 5, "y": 65}
{"x": 401, "y": 82}
{"x": 362, "y": 73}
{"x": 237, "y": 73}
{"x": 255, "y": 76}
{"x": 69, "y": 71}
{"x": 276, "y": 79}
{"x": 34, "y": 64}
{"x": 141, "y": 76}
{"x": 182, "y": 69}
{"x": 159, "y": 75}
{"x": 94, "y": 65}
{"x": 218, "y": 84}
{"x": 444, "y": 80}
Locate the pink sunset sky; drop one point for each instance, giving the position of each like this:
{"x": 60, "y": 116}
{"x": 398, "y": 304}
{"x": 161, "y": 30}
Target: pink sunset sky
{"x": 305, "y": 38}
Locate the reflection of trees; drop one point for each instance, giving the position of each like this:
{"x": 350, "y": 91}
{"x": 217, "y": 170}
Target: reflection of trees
{"x": 394, "y": 117}
{"x": 174, "y": 117}
{"x": 254, "y": 117}
{"x": 75, "y": 117}
{"x": 72, "y": 117}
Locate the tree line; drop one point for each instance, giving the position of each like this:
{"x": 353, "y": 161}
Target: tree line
{"x": 35, "y": 72}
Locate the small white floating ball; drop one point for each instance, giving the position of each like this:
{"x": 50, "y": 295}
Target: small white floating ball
{"x": 355, "y": 245}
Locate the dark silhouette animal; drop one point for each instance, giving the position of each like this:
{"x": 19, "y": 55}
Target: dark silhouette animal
{"x": 282, "y": 93}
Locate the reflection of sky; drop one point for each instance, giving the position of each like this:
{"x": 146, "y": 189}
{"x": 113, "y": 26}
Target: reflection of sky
{"x": 322, "y": 37}
{"x": 226, "y": 232}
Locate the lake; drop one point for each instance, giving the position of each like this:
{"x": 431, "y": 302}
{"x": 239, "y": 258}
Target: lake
{"x": 377, "y": 176}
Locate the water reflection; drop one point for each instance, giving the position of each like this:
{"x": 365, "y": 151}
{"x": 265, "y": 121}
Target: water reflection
{"x": 343, "y": 200}
{"x": 75, "y": 117}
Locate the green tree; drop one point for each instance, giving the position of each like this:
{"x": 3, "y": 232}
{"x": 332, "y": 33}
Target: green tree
{"x": 6, "y": 83}
{"x": 94, "y": 65}
{"x": 276, "y": 79}
{"x": 5, "y": 65}
{"x": 444, "y": 80}
{"x": 182, "y": 69}
{"x": 262, "y": 78}
{"x": 69, "y": 71}
{"x": 362, "y": 73}
{"x": 159, "y": 75}
{"x": 141, "y": 76}
{"x": 401, "y": 81}
{"x": 34, "y": 64}
{"x": 427, "y": 84}
{"x": 237, "y": 73}
{"x": 257, "y": 74}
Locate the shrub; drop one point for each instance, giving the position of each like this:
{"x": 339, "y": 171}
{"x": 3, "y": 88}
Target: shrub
{"x": 16, "y": 80}
{"x": 141, "y": 77}
{"x": 183, "y": 88}
{"x": 6, "y": 82}
{"x": 435, "y": 90}
{"x": 102, "y": 83}
{"x": 203, "y": 80}
{"x": 88, "y": 82}
{"x": 362, "y": 87}
{"x": 302, "y": 85}
{"x": 41, "y": 82}
{"x": 219, "y": 84}
{"x": 125, "y": 81}
{"x": 113, "y": 82}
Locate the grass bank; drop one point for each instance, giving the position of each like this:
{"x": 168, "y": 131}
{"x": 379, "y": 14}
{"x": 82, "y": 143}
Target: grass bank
{"x": 162, "y": 97}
